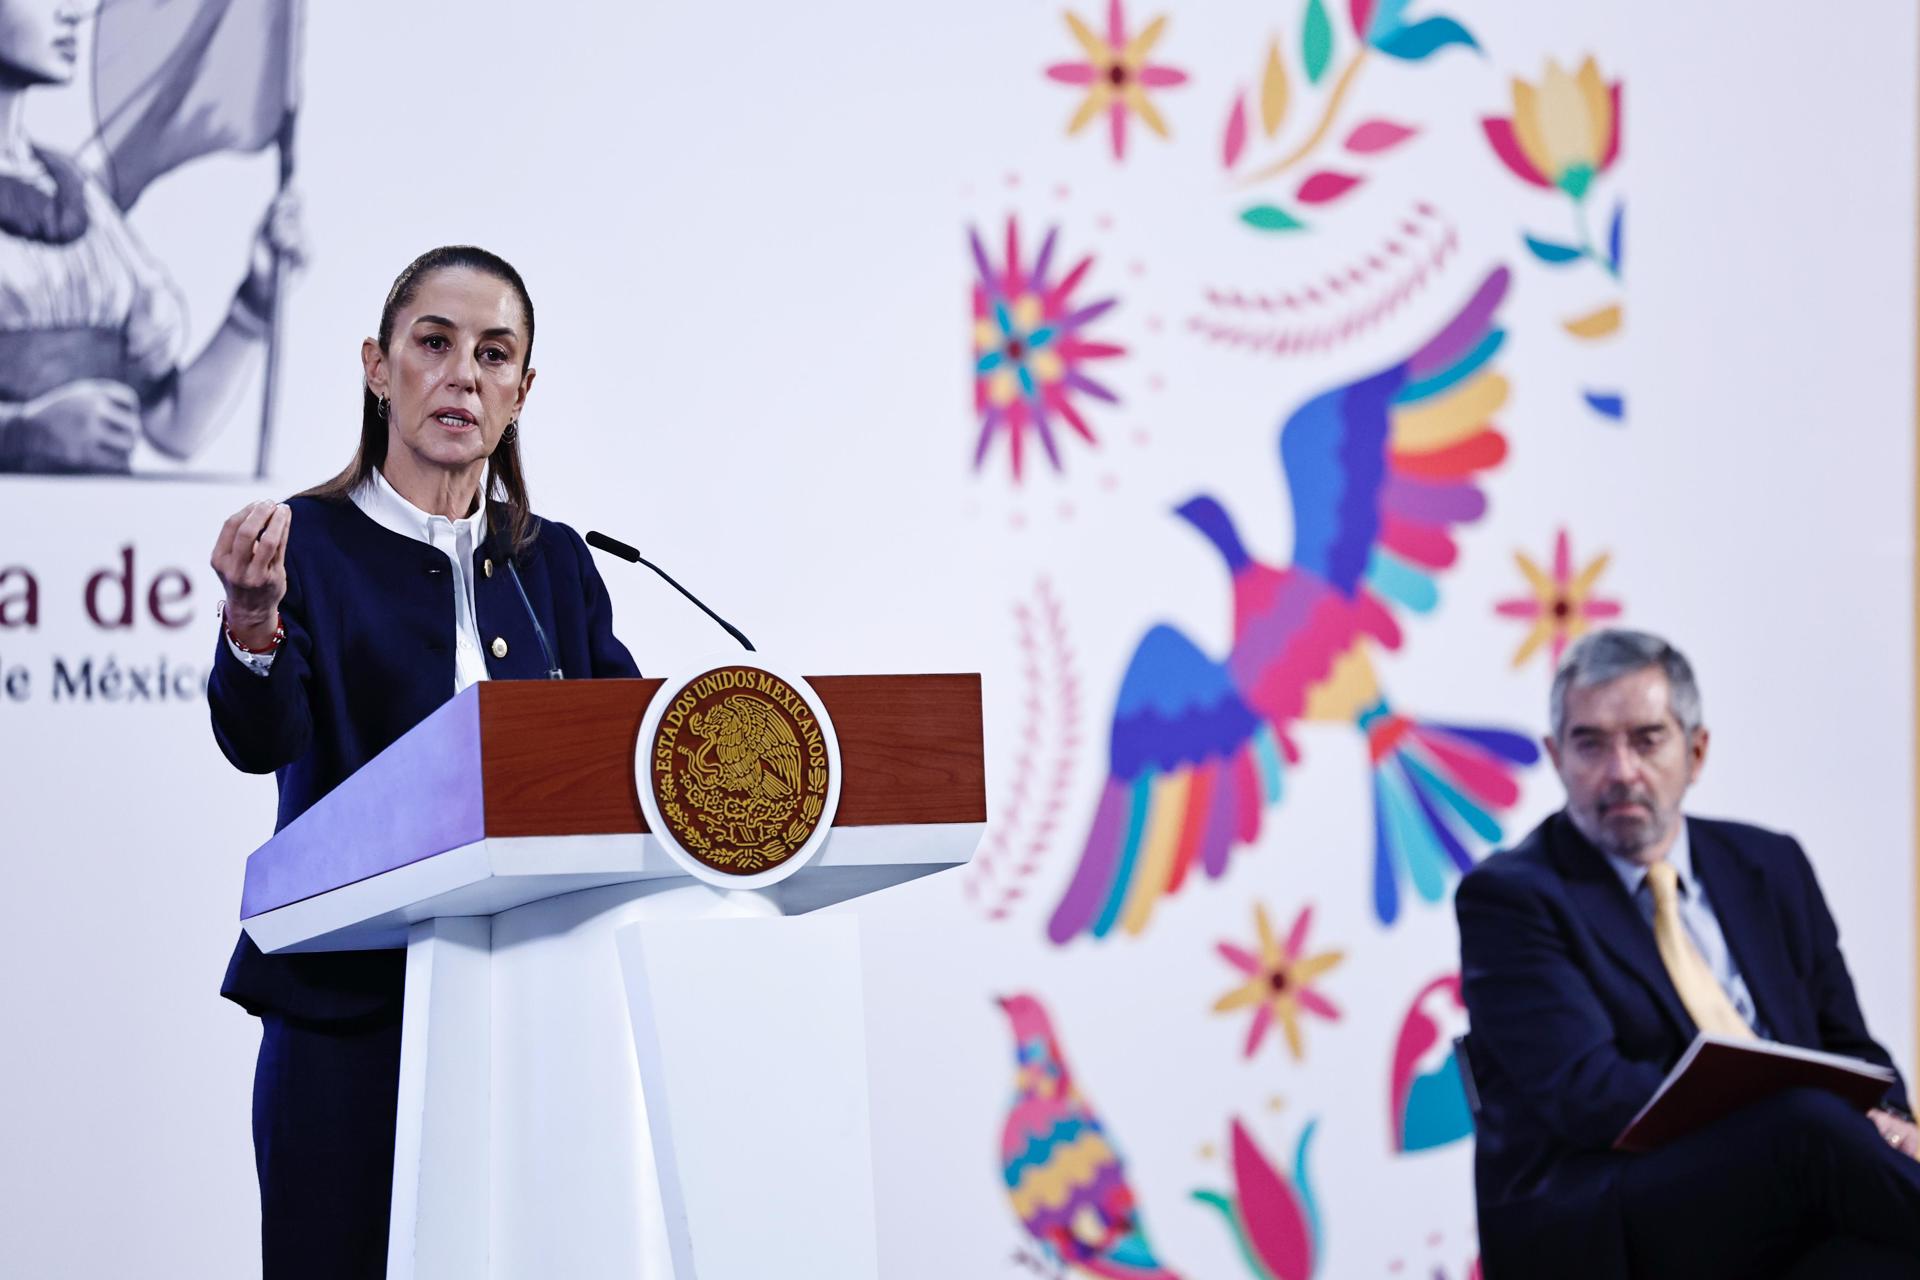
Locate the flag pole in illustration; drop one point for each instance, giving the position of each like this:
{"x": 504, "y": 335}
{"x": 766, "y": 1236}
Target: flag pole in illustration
{"x": 270, "y": 384}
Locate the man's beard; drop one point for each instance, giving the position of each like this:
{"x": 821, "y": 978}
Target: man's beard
{"x": 1621, "y": 836}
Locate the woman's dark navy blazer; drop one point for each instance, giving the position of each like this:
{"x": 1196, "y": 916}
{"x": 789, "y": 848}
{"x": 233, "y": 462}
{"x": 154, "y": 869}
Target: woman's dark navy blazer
{"x": 368, "y": 654}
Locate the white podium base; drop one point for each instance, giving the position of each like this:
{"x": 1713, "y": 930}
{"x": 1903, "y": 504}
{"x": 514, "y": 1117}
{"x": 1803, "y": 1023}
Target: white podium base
{"x": 648, "y": 1081}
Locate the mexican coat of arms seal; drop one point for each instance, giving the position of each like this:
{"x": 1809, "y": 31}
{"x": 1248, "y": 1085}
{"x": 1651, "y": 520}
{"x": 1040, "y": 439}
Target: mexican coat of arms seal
{"x": 740, "y": 766}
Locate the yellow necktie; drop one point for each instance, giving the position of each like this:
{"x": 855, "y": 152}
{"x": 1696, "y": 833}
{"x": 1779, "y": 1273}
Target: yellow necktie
{"x": 1703, "y": 996}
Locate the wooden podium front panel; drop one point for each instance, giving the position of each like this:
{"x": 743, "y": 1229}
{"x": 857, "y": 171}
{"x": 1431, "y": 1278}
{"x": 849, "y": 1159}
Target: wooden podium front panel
{"x": 910, "y": 748}
{"x": 557, "y": 756}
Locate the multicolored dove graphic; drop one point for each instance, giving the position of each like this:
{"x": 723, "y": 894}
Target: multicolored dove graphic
{"x": 1379, "y": 472}
{"x": 1067, "y": 1184}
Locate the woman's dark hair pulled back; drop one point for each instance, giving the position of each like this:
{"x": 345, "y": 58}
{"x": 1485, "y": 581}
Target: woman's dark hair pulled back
{"x": 508, "y": 482}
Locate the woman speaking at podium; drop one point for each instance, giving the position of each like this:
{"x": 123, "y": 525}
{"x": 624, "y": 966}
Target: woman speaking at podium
{"x": 352, "y": 611}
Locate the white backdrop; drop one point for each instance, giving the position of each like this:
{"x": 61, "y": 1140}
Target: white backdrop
{"x": 745, "y": 231}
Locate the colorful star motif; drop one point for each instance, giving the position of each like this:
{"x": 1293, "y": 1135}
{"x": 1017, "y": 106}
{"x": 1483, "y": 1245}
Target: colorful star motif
{"x": 1562, "y": 606}
{"x": 1030, "y": 356}
{"x": 1279, "y": 982}
{"x": 1117, "y": 75}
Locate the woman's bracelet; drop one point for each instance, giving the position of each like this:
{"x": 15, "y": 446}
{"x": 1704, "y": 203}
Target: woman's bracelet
{"x": 279, "y": 633}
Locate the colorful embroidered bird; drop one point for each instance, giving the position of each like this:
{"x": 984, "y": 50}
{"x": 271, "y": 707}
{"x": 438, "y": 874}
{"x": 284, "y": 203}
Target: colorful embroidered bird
{"x": 1379, "y": 472}
{"x": 1067, "y": 1184}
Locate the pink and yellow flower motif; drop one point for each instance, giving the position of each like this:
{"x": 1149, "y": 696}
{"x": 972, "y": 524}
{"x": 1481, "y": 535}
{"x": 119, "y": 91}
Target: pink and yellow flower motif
{"x": 1279, "y": 983}
{"x": 1563, "y": 135}
{"x": 1563, "y": 604}
{"x": 1117, "y": 75}
{"x": 1030, "y": 351}
{"x": 1564, "y": 132}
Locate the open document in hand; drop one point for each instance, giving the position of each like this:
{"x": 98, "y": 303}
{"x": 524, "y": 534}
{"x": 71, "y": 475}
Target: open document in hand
{"x": 1717, "y": 1076}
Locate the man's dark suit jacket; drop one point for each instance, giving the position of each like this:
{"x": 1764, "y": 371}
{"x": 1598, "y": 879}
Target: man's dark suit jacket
{"x": 1575, "y": 1022}
{"x": 368, "y": 655}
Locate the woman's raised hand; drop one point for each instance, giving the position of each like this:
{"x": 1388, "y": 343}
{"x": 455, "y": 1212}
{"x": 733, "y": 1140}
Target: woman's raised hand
{"x": 250, "y": 556}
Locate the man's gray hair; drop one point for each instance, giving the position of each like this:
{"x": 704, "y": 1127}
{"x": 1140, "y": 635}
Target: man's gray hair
{"x": 1606, "y": 655}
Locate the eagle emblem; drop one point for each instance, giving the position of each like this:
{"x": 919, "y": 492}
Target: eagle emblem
{"x": 747, "y": 748}
{"x": 738, "y": 766}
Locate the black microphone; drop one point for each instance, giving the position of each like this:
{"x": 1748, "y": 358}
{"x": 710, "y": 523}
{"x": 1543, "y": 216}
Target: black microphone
{"x": 539, "y": 632}
{"x": 615, "y": 547}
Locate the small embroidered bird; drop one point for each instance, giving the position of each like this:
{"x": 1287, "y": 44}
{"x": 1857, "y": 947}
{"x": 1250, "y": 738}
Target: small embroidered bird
{"x": 1067, "y": 1185}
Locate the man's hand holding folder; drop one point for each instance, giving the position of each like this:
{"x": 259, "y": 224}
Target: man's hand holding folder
{"x": 1718, "y": 1075}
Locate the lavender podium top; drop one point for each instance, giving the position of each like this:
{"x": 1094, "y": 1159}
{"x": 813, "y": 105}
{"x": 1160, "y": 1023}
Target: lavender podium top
{"x": 515, "y": 791}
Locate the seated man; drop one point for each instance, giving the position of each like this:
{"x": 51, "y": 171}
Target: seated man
{"x": 1590, "y": 955}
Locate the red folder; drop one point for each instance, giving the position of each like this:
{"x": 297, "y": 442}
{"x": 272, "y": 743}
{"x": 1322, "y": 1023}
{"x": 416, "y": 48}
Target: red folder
{"x": 1717, "y": 1076}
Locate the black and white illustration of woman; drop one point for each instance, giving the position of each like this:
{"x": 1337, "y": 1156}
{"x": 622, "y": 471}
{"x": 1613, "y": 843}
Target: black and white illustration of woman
{"x": 93, "y": 333}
